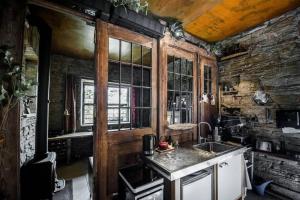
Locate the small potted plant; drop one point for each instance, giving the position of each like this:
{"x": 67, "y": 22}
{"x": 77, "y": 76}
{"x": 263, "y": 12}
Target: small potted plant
{"x": 13, "y": 87}
{"x": 133, "y": 15}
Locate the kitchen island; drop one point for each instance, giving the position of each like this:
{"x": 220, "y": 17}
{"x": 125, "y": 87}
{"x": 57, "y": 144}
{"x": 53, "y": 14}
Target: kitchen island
{"x": 226, "y": 170}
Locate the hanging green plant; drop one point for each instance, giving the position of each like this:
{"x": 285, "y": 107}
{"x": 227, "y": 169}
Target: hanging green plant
{"x": 135, "y": 5}
{"x": 13, "y": 86}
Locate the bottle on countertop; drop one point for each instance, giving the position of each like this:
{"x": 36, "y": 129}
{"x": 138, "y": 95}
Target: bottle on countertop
{"x": 217, "y": 137}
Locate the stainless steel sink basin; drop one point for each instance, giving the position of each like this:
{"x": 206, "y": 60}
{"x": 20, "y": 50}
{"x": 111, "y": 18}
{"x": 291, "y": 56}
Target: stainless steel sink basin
{"x": 214, "y": 147}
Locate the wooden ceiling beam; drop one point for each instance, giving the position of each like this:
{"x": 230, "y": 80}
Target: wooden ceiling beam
{"x": 61, "y": 9}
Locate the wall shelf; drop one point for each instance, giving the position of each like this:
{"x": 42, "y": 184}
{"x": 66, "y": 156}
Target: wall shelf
{"x": 234, "y": 55}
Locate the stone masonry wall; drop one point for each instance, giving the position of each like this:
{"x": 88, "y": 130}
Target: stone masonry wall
{"x": 274, "y": 58}
{"x": 27, "y": 139}
{"x": 60, "y": 65}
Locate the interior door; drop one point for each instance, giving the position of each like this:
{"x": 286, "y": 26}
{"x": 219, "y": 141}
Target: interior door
{"x": 126, "y": 65}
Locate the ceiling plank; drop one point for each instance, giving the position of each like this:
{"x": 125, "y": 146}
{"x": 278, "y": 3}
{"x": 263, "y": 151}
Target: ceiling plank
{"x": 215, "y": 20}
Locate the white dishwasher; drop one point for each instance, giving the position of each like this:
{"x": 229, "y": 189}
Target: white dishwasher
{"x": 197, "y": 186}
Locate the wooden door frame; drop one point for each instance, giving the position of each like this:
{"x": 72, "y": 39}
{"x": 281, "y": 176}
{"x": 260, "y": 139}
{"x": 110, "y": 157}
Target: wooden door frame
{"x": 169, "y": 45}
{"x": 103, "y": 139}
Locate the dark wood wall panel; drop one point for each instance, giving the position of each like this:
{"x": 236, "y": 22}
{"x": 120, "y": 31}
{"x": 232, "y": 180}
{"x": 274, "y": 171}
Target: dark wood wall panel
{"x": 12, "y": 18}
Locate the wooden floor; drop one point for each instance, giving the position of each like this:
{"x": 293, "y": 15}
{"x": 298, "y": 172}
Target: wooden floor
{"x": 77, "y": 181}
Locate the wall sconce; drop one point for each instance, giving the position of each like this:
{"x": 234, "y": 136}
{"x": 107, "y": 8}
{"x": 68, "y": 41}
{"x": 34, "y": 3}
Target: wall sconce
{"x": 176, "y": 30}
{"x": 208, "y": 98}
{"x": 204, "y": 98}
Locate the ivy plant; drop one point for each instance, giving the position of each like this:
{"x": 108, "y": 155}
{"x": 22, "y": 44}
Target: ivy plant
{"x": 13, "y": 86}
{"x": 135, "y": 5}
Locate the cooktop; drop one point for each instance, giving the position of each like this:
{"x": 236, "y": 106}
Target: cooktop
{"x": 140, "y": 177}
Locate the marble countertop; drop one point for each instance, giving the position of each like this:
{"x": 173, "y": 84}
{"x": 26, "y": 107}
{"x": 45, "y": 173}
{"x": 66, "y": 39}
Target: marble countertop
{"x": 186, "y": 160}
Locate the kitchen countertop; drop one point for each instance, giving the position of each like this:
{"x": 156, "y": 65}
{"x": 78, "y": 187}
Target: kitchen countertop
{"x": 186, "y": 160}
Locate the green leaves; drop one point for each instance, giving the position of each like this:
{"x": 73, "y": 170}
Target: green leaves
{"x": 12, "y": 86}
{"x": 135, "y": 5}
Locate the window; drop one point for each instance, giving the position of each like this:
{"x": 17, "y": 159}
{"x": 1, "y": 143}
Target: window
{"x": 207, "y": 80}
{"x": 180, "y": 90}
{"x": 129, "y": 86}
{"x": 87, "y": 102}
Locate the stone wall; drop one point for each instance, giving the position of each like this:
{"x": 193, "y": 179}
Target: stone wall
{"x": 27, "y": 139}
{"x": 273, "y": 57}
{"x": 60, "y": 65}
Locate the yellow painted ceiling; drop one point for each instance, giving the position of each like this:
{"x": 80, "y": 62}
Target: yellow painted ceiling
{"x": 214, "y": 20}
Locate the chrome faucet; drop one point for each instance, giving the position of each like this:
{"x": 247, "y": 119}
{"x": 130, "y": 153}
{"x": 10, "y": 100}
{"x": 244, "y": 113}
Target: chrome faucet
{"x": 199, "y": 131}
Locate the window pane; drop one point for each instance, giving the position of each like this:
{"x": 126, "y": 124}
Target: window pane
{"x": 137, "y": 76}
{"x": 177, "y": 65}
{"x": 113, "y": 96}
{"x": 183, "y": 116}
{"x": 190, "y": 84}
{"x": 114, "y": 49}
{"x": 147, "y": 77}
{"x": 88, "y": 114}
{"x": 89, "y": 93}
{"x": 147, "y": 57}
{"x": 171, "y": 102}
{"x": 206, "y": 76}
{"x": 176, "y": 117}
{"x": 146, "y": 97}
{"x": 136, "y": 97}
{"x": 146, "y": 117}
{"x": 171, "y": 81}
{"x": 136, "y": 54}
{"x": 126, "y": 73}
{"x": 184, "y": 100}
{"x": 186, "y": 115}
{"x": 170, "y": 63}
{"x": 113, "y": 115}
{"x": 177, "y": 100}
{"x": 125, "y": 51}
{"x": 170, "y": 117}
{"x": 209, "y": 73}
{"x": 184, "y": 83}
{"x": 205, "y": 86}
{"x": 124, "y": 115}
{"x": 189, "y": 68}
{"x": 210, "y": 87}
{"x": 125, "y": 97}
{"x": 177, "y": 82}
{"x": 113, "y": 72}
{"x": 136, "y": 118}
{"x": 183, "y": 66}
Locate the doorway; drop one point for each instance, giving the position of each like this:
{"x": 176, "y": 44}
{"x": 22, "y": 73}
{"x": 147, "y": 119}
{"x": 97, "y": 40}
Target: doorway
{"x": 71, "y": 99}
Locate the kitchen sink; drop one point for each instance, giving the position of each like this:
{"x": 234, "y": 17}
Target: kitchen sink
{"x": 214, "y": 147}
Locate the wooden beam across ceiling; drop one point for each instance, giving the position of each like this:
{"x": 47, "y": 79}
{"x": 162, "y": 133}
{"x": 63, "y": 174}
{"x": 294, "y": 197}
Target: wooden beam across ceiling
{"x": 215, "y": 20}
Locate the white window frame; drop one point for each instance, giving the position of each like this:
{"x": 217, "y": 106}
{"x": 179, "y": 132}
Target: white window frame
{"x": 82, "y": 81}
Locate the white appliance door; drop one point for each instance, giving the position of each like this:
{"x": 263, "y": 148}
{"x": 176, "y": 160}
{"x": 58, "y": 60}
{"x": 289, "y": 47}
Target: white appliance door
{"x": 199, "y": 189}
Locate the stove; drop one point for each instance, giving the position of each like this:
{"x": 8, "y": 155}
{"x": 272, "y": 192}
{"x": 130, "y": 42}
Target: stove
{"x": 140, "y": 182}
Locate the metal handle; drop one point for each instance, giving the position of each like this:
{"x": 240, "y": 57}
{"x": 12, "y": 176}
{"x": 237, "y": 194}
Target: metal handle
{"x": 223, "y": 164}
